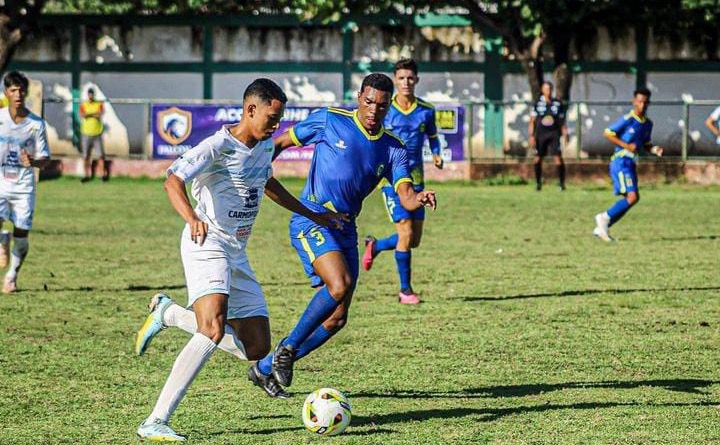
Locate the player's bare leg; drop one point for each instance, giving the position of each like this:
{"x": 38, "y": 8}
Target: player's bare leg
{"x": 4, "y": 246}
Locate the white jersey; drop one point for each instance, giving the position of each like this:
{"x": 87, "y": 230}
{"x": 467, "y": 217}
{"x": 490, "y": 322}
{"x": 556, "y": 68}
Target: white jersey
{"x": 228, "y": 182}
{"x": 715, "y": 115}
{"x": 28, "y": 135}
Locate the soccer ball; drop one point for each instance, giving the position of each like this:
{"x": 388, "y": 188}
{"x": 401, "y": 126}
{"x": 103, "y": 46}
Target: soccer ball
{"x": 327, "y": 412}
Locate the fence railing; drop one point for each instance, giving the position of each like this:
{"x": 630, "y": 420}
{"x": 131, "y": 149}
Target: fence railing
{"x": 493, "y": 130}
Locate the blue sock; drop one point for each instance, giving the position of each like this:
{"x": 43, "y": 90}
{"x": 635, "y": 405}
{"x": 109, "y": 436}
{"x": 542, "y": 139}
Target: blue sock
{"x": 265, "y": 365}
{"x": 316, "y": 339}
{"x": 618, "y": 210}
{"x": 319, "y": 308}
{"x": 388, "y": 243}
{"x": 403, "y": 265}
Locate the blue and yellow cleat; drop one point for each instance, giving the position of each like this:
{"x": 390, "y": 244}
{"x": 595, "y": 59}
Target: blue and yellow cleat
{"x": 153, "y": 323}
{"x": 158, "y": 431}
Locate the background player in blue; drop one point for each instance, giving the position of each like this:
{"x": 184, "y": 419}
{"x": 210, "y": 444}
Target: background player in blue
{"x": 353, "y": 152}
{"x": 413, "y": 120}
{"x": 547, "y": 124}
{"x": 628, "y": 133}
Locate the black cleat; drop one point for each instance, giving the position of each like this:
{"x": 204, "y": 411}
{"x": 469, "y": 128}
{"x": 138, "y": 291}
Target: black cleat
{"x": 267, "y": 383}
{"x": 282, "y": 364}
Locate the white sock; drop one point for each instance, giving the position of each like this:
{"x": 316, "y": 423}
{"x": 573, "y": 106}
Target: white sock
{"x": 180, "y": 317}
{"x": 17, "y": 256}
{"x": 187, "y": 366}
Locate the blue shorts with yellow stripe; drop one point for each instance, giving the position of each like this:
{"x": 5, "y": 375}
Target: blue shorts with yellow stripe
{"x": 311, "y": 240}
{"x": 395, "y": 210}
{"x": 624, "y": 175}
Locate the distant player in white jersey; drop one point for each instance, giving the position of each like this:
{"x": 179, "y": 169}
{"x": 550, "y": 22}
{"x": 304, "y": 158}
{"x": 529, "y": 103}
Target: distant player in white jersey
{"x": 230, "y": 171}
{"x": 713, "y": 124}
{"x": 23, "y": 145}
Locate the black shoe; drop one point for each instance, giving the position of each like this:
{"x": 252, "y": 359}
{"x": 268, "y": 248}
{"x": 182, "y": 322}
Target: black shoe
{"x": 562, "y": 187}
{"x": 105, "y": 178}
{"x": 84, "y": 180}
{"x": 538, "y": 187}
{"x": 267, "y": 383}
{"x": 282, "y": 364}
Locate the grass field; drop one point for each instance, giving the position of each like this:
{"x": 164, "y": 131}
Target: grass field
{"x": 532, "y": 331}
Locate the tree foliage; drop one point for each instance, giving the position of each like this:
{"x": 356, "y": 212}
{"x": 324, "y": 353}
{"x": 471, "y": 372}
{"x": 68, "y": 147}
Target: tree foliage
{"x": 534, "y": 32}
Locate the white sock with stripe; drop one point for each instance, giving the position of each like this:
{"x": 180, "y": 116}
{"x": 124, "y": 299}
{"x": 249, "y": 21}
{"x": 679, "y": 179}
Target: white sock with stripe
{"x": 187, "y": 366}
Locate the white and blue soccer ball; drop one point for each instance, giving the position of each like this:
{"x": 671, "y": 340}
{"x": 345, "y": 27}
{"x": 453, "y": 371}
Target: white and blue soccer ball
{"x": 326, "y": 412}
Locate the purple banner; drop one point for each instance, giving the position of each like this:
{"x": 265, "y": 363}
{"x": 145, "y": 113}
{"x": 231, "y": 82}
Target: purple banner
{"x": 177, "y": 128}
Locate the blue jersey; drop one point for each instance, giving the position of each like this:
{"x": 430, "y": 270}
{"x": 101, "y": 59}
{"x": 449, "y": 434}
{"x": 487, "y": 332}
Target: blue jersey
{"x": 413, "y": 126}
{"x": 348, "y": 162}
{"x": 631, "y": 129}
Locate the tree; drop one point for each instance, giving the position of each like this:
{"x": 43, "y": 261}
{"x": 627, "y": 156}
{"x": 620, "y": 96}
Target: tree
{"x": 17, "y": 18}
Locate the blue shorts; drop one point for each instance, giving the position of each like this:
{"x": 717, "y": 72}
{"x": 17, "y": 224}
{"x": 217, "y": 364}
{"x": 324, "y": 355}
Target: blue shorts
{"x": 311, "y": 241}
{"x": 395, "y": 210}
{"x": 624, "y": 175}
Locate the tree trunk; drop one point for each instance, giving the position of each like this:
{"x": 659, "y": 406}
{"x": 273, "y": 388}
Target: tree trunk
{"x": 9, "y": 39}
{"x": 532, "y": 62}
{"x": 563, "y": 77}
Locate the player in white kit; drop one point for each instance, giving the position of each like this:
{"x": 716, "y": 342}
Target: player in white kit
{"x": 23, "y": 145}
{"x": 230, "y": 171}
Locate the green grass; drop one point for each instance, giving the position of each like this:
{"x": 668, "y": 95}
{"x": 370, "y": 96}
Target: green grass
{"x": 531, "y": 332}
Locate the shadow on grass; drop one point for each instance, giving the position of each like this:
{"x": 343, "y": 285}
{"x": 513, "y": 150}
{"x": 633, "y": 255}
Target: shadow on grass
{"x": 492, "y": 414}
{"x": 691, "y": 386}
{"x": 688, "y": 238}
{"x": 582, "y": 292}
{"x": 135, "y": 287}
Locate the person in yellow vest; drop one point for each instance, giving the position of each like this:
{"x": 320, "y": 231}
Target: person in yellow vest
{"x": 91, "y": 129}
{"x": 4, "y": 102}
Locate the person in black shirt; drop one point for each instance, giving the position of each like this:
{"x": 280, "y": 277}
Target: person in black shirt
{"x": 547, "y": 124}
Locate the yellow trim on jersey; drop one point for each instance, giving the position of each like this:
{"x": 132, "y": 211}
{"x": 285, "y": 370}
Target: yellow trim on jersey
{"x": 340, "y": 111}
{"x": 390, "y": 133}
{"x": 400, "y": 181}
{"x": 330, "y": 206}
{"x": 636, "y": 117}
{"x": 610, "y": 132}
{"x": 399, "y": 108}
{"x": 364, "y": 131}
{"x": 306, "y": 246}
{"x": 294, "y": 138}
{"x": 432, "y": 136}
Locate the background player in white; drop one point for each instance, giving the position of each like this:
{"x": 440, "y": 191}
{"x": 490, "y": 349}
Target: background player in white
{"x": 713, "y": 124}
{"x": 229, "y": 171}
{"x": 23, "y": 145}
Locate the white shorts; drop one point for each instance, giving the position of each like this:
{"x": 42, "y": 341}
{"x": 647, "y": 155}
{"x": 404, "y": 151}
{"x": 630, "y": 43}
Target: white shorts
{"x": 217, "y": 267}
{"x": 18, "y": 208}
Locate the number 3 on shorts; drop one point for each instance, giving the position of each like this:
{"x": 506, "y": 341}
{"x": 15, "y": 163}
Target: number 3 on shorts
{"x": 319, "y": 238}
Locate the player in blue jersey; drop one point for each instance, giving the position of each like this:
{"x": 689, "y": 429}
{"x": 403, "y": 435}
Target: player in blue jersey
{"x": 629, "y": 133}
{"x": 413, "y": 120}
{"x": 353, "y": 152}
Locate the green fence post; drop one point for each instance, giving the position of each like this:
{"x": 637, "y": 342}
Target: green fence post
{"x": 578, "y": 130}
{"x": 685, "y": 130}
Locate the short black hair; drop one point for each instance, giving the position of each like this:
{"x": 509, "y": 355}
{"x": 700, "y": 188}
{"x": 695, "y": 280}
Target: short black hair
{"x": 377, "y": 81}
{"x": 406, "y": 64}
{"x": 265, "y": 89}
{"x": 91, "y": 91}
{"x": 548, "y": 83}
{"x": 644, "y": 91}
{"x": 16, "y": 79}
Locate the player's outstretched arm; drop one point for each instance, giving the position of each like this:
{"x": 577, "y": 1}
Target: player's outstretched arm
{"x": 278, "y": 193}
{"x": 281, "y": 143}
{"x": 412, "y": 200}
{"x": 175, "y": 189}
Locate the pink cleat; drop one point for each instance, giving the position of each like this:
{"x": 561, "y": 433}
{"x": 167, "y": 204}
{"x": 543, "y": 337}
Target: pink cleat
{"x": 411, "y": 298}
{"x": 369, "y": 255}
{"x": 9, "y": 286}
